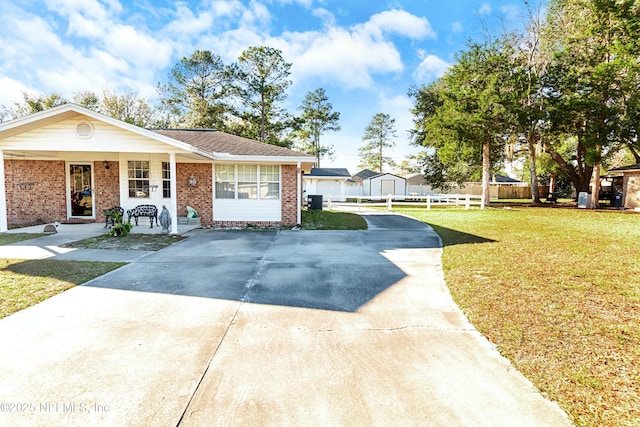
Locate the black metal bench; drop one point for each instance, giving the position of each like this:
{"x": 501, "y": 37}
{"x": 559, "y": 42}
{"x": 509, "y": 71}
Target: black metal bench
{"x": 553, "y": 197}
{"x": 109, "y": 215}
{"x": 143, "y": 210}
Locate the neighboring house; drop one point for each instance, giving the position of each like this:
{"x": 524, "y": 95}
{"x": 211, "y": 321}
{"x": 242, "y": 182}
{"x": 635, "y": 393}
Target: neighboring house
{"x": 383, "y": 184}
{"x": 630, "y": 185}
{"x": 417, "y": 186}
{"x": 334, "y": 182}
{"x": 69, "y": 164}
{"x": 364, "y": 174}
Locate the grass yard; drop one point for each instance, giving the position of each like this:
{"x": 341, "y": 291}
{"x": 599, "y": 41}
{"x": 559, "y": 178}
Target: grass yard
{"x": 26, "y": 283}
{"x": 558, "y": 291}
{"x": 332, "y": 220}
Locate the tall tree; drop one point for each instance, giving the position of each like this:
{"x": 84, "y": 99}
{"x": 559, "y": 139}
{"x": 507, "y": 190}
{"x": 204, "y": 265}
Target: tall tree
{"x": 261, "y": 79}
{"x": 317, "y": 118}
{"x": 461, "y": 119}
{"x": 128, "y": 107}
{"x": 525, "y": 91}
{"x": 35, "y": 103}
{"x": 196, "y": 90}
{"x": 589, "y": 80}
{"x": 378, "y": 136}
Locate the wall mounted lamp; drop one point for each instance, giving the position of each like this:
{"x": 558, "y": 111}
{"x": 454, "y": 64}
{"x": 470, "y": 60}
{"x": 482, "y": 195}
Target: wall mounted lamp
{"x": 192, "y": 181}
{"x": 105, "y": 164}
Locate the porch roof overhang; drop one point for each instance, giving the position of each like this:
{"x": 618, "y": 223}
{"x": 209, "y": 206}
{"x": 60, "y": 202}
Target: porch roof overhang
{"x": 72, "y": 111}
{"x": 184, "y": 150}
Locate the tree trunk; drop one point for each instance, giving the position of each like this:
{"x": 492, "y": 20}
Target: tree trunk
{"x": 533, "y": 176}
{"x": 486, "y": 172}
{"x": 595, "y": 186}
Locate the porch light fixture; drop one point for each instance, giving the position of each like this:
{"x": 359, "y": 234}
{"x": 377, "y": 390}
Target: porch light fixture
{"x": 192, "y": 181}
{"x": 105, "y": 164}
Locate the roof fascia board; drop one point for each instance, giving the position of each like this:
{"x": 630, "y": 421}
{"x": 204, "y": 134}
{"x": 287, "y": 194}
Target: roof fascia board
{"x": 66, "y": 108}
{"x": 268, "y": 159}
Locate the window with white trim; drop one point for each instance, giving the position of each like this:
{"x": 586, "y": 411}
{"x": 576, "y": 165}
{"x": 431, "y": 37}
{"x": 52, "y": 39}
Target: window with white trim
{"x": 269, "y": 182}
{"x": 252, "y": 182}
{"x": 138, "y": 175}
{"x": 247, "y": 182}
{"x": 166, "y": 180}
{"x": 225, "y": 182}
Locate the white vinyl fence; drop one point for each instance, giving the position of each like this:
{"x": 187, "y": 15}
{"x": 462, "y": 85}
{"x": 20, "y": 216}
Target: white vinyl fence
{"x": 466, "y": 200}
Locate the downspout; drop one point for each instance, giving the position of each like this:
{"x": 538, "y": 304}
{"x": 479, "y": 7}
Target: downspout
{"x": 3, "y": 196}
{"x": 174, "y": 193}
{"x": 299, "y": 201}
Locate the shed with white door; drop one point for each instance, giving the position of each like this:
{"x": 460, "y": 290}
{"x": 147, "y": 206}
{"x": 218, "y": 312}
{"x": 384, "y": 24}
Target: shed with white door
{"x": 384, "y": 184}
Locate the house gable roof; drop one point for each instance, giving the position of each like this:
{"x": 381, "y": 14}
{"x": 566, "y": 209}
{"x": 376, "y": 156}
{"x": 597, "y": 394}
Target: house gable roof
{"x": 630, "y": 168}
{"x": 378, "y": 175}
{"x": 329, "y": 172}
{"x": 213, "y": 145}
{"x": 364, "y": 174}
{"x": 221, "y": 144}
{"x": 503, "y": 178}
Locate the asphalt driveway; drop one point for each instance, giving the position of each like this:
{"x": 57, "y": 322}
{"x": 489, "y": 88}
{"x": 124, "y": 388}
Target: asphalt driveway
{"x": 265, "y": 328}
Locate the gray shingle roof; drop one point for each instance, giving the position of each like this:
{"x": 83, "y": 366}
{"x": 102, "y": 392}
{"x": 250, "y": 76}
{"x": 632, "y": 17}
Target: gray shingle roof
{"x": 366, "y": 173}
{"x": 213, "y": 141}
{"x": 626, "y": 168}
{"x": 337, "y": 172}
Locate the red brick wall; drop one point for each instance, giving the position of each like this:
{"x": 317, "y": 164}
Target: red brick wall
{"x": 198, "y": 197}
{"x": 107, "y": 187}
{"x": 42, "y": 203}
{"x": 290, "y": 203}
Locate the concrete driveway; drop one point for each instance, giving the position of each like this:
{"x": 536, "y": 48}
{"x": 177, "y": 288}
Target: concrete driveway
{"x": 281, "y": 328}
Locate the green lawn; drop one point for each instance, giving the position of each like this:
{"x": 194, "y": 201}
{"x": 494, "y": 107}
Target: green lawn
{"x": 558, "y": 291}
{"x": 332, "y": 220}
{"x": 24, "y": 283}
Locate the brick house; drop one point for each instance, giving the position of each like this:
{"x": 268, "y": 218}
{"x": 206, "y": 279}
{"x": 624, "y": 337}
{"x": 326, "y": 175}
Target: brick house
{"x": 69, "y": 164}
{"x": 630, "y": 185}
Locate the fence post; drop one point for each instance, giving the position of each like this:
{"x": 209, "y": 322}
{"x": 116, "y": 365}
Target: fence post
{"x": 330, "y": 200}
{"x": 428, "y": 202}
{"x": 389, "y": 198}
{"x": 467, "y": 204}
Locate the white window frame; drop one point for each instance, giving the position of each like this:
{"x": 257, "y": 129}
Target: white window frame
{"x": 258, "y": 183}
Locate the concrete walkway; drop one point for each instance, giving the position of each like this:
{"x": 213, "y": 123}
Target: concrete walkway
{"x": 52, "y": 245}
{"x": 226, "y": 328}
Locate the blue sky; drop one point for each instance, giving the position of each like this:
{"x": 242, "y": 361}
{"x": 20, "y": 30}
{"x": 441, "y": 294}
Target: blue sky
{"x": 364, "y": 53}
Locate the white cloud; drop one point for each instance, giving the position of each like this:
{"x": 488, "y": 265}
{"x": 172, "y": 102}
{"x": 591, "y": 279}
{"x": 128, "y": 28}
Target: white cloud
{"x": 304, "y": 3}
{"x": 484, "y": 10}
{"x": 456, "y": 28}
{"x": 11, "y": 91}
{"x": 341, "y": 56}
{"x": 403, "y": 23}
{"x": 328, "y": 19}
{"x": 431, "y": 68}
{"x": 186, "y": 23}
{"x": 351, "y": 56}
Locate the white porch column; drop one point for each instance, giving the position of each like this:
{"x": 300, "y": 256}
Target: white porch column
{"x": 174, "y": 193}
{"x": 3, "y": 196}
{"x": 299, "y": 184}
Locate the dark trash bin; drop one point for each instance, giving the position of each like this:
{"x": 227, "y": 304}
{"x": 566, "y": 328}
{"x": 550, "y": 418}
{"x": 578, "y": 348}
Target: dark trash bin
{"x": 315, "y": 202}
{"x": 618, "y": 200}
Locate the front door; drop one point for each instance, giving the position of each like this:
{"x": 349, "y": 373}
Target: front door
{"x": 388, "y": 186}
{"x": 81, "y": 190}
